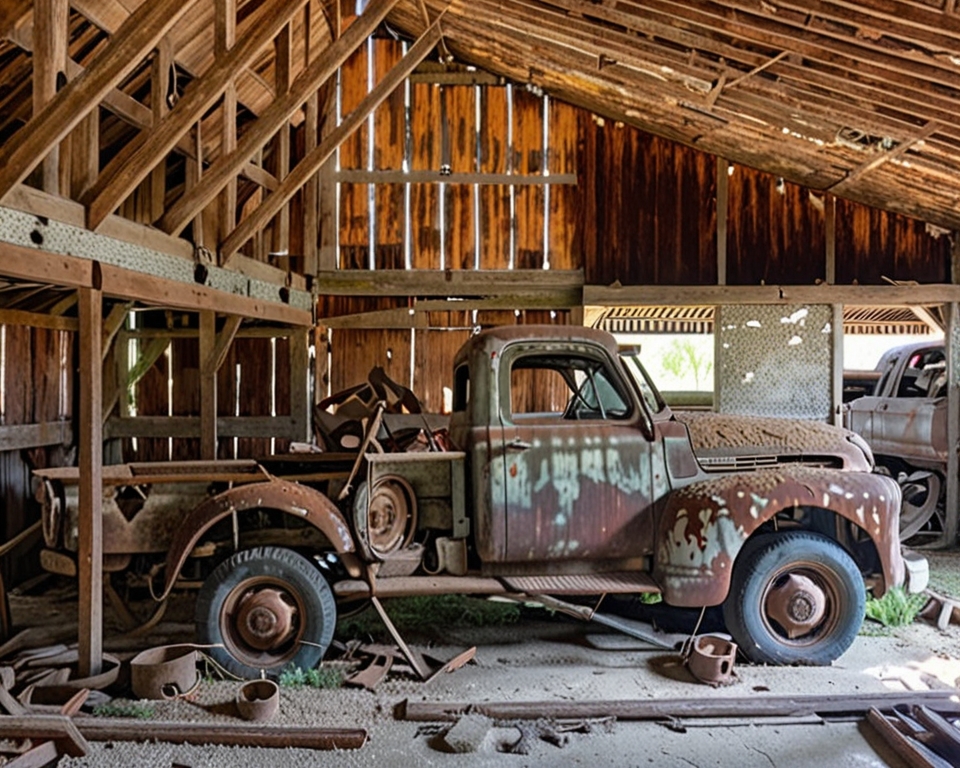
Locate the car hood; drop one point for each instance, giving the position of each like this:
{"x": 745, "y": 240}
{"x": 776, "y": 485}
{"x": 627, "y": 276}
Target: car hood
{"x": 724, "y": 442}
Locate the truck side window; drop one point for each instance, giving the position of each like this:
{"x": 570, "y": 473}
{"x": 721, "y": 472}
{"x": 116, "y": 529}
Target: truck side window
{"x": 565, "y": 387}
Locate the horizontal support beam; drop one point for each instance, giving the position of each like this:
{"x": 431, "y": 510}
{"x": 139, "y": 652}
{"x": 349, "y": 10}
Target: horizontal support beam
{"x": 417, "y": 316}
{"x": 189, "y": 426}
{"x": 436, "y": 177}
{"x": 728, "y": 295}
{"x": 19, "y": 437}
{"x": 252, "y": 332}
{"x": 38, "y": 320}
{"x": 35, "y": 248}
{"x": 451, "y": 282}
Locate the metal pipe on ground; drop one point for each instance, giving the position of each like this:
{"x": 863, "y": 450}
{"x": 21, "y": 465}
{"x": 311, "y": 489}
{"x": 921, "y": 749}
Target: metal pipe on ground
{"x": 655, "y": 709}
{"x": 105, "y": 729}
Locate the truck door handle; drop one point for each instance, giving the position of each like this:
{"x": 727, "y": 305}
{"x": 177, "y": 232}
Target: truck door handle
{"x": 517, "y": 445}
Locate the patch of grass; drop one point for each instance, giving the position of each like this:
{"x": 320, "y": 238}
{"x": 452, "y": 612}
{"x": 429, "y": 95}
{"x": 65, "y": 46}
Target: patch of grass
{"x": 135, "y": 709}
{"x": 651, "y": 598}
{"x": 430, "y": 611}
{"x": 896, "y": 608}
{"x": 321, "y": 677}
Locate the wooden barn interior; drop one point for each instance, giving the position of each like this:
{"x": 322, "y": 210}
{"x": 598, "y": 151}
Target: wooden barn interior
{"x": 215, "y": 213}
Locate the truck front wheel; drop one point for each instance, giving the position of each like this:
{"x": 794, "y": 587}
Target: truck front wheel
{"x": 270, "y": 608}
{"x": 795, "y": 598}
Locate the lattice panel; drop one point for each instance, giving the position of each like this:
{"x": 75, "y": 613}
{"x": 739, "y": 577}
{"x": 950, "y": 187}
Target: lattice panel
{"x": 774, "y": 361}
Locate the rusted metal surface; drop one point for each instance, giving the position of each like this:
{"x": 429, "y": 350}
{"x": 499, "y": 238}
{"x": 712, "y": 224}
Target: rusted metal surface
{"x": 711, "y": 660}
{"x": 302, "y": 737}
{"x": 727, "y": 441}
{"x": 905, "y": 422}
{"x": 165, "y": 672}
{"x": 294, "y": 499}
{"x": 258, "y": 700}
{"x": 584, "y": 584}
{"x": 698, "y": 706}
{"x": 704, "y": 525}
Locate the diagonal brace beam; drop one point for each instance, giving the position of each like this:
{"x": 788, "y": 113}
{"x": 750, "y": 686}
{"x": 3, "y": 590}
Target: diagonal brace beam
{"x": 135, "y": 161}
{"x": 52, "y": 123}
{"x": 277, "y": 114}
{"x": 311, "y": 163}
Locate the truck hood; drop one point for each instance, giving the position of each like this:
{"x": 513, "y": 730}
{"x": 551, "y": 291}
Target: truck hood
{"x": 725, "y": 442}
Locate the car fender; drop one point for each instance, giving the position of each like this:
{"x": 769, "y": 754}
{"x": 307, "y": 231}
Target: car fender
{"x": 702, "y": 526}
{"x": 294, "y": 499}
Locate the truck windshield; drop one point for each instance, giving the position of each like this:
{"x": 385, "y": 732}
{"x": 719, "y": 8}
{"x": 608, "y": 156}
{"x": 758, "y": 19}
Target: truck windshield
{"x": 646, "y": 388}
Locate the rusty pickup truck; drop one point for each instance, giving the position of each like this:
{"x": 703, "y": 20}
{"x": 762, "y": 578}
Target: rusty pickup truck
{"x": 905, "y": 422}
{"x": 567, "y": 475}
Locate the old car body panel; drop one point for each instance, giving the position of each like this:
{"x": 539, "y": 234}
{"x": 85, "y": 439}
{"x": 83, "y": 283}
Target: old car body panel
{"x": 294, "y": 499}
{"x": 703, "y": 525}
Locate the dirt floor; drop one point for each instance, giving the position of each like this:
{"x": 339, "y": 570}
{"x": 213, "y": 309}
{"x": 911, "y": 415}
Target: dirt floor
{"x": 539, "y": 657}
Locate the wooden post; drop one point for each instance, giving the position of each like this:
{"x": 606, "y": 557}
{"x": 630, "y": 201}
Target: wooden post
{"x": 90, "y": 523}
{"x": 225, "y": 35}
{"x": 159, "y": 84}
{"x": 50, "y": 19}
{"x": 320, "y": 369}
{"x": 283, "y": 47}
{"x": 836, "y": 372}
{"x": 328, "y": 214}
{"x": 85, "y": 154}
{"x": 953, "y": 423}
{"x": 208, "y": 385}
{"x": 311, "y": 190}
{"x": 299, "y": 382}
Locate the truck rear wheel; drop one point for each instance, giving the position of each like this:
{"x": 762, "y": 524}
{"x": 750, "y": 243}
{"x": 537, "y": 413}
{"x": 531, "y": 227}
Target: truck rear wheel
{"x": 270, "y": 608}
{"x": 795, "y": 598}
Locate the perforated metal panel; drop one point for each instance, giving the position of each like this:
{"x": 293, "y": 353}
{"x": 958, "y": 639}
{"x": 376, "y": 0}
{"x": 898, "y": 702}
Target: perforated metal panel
{"x": 774, "y": 361}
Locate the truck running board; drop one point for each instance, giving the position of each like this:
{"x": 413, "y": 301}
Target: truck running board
{"x": 624, "y": 582}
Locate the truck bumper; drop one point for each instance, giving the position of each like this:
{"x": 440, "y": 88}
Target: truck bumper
{"x": 917, "y": 572}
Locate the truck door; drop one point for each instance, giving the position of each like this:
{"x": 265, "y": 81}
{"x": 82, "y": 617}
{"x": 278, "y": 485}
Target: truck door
{"x": 577, "y": 461}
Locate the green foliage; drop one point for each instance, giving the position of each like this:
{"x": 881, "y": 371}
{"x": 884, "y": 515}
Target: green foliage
{"x": 896, "y": 608}
{"x": 137, "y": 709}
{"x": 683, "y": 357}
{"x": 651, "y": 598}
{"x": 321, "y": 677}
{"x": 429, "y": 611}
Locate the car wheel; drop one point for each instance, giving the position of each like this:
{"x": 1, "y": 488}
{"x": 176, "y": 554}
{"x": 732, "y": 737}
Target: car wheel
{"x": 795, "y": 598}
{"x": 270, "y": 608}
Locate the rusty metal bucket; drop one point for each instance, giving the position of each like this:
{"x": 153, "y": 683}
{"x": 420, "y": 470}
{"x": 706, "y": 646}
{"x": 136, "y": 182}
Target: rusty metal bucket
{"x": 164, "y": 672}
{"x": 711, "y": 660}
{"x": 258, "y": 700}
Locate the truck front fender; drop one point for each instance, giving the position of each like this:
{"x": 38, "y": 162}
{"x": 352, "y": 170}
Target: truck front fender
{"x": 702, "y": 526}
{"x": 294, "y": 499}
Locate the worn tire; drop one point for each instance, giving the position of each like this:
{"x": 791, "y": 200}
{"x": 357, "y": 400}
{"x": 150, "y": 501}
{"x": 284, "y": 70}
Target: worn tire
{"x": 788, "y": 573}
{"x": 270, "y": 608}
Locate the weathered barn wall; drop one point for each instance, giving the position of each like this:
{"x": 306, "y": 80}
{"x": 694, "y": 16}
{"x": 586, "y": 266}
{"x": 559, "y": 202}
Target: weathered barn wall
{"x": 37, "y": 388}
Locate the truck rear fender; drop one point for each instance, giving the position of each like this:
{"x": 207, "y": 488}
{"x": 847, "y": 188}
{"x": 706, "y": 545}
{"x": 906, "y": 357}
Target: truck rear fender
{"x": 291, "y": 498}
{"x": 702, "y": 526}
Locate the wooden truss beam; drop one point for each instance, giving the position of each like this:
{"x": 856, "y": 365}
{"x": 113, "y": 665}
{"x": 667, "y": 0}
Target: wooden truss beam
{"x": 311, "y": 163}
{"x": 37, "y": 320}
{"x": 276, "y": 115}
{"x": 885, "y": 157}
{"x": 451, "y": 282}
{"x": 27, "y": 147}
{"x": 129, "y": 167}
{"x": 729, "y": 295}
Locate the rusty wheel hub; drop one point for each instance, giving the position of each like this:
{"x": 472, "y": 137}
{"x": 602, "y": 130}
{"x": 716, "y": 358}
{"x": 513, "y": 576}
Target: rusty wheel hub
{"x": 264, "y": 619}
{"x": 797, "y": 604}
{"x": 390, "y": 517}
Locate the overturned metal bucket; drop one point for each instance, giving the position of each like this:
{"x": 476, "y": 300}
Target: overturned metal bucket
{"x": 164, "y": 672}
{"x": 711, "y": 660}
{"x": 258, "y": 700}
